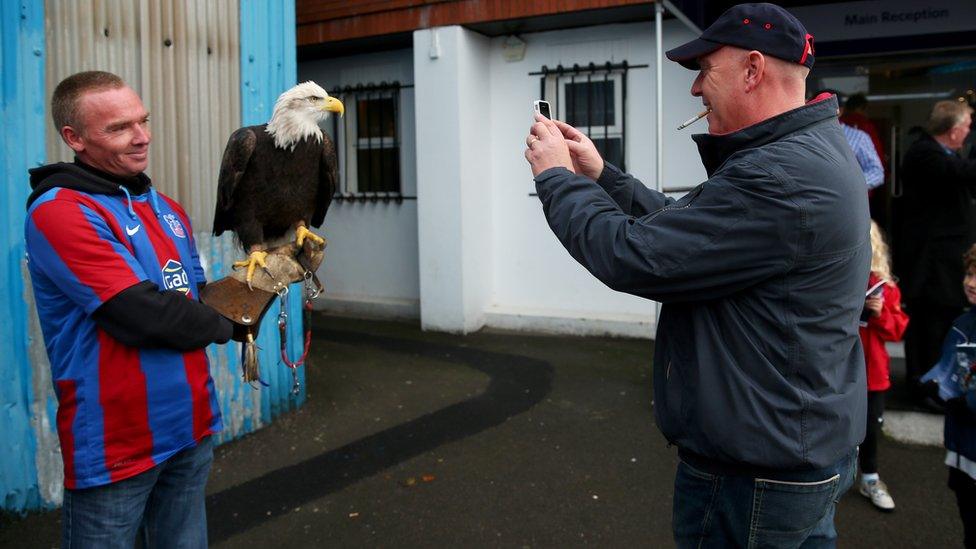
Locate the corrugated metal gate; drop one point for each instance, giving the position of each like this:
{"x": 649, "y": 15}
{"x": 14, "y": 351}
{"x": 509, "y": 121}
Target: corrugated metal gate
{"x": 203, "y": 68}
{"x": 183, "y": 58}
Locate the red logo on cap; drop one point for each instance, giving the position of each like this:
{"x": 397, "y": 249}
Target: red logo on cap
{"x": 767, "y": 26}
{"x": 807, "y": 48}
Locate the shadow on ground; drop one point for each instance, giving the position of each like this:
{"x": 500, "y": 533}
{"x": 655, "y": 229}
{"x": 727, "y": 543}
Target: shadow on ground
{"x": 516, "y": 384}
{"x": 414, "y": 439}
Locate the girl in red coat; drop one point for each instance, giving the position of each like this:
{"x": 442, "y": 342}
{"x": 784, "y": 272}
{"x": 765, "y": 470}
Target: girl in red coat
{"x": 883, "y": 320}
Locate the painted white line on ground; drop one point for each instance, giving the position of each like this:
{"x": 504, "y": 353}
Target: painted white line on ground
{"x": 914, "y": 427}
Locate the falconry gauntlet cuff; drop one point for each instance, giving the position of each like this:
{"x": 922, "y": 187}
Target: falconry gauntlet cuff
{"x": 231, "y": 297}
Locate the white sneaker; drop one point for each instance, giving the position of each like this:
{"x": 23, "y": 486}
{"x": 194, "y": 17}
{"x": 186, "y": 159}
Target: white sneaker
{"x": 877, "y": 492}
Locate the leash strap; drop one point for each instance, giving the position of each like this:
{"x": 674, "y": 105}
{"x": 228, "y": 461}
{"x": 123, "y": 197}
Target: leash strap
{"x": 312, "y": 291}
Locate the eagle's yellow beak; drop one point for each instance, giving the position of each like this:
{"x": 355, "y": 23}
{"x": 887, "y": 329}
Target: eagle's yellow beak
{"x": 334, "y": 105}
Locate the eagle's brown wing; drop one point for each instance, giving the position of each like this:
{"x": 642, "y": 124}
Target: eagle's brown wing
{"x": 328, "y": 179}
{"x": 237, "y": 154}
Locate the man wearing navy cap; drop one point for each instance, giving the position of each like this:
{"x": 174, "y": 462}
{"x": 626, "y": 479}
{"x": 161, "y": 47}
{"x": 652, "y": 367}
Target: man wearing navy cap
{"x": 758, "y": 369}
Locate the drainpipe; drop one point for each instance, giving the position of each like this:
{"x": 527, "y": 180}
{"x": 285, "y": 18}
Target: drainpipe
{"x": 659, "y": 92}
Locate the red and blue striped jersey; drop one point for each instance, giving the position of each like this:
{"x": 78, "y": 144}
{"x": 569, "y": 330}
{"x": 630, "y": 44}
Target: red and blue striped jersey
{"x": 122, "y": 410}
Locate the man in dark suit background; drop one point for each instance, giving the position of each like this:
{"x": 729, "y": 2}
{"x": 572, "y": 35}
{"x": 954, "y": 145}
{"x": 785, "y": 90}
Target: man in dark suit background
{"x": 938, "y": 222}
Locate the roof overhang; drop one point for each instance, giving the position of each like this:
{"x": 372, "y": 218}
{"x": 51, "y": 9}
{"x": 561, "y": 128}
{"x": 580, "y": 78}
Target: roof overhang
{"x": 324, "y": 31}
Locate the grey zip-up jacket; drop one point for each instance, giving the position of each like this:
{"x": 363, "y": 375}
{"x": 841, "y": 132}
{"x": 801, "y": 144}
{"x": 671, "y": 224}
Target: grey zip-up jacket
{"x": 761, "y": 271}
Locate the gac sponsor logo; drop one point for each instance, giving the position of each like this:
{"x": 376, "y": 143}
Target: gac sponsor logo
{"x": 175, "y": 277}
{"x": 174, "y": 225}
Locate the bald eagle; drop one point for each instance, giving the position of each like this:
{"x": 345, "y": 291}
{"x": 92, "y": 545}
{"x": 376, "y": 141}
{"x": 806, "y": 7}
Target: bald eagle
{"x": 279, "y": 177}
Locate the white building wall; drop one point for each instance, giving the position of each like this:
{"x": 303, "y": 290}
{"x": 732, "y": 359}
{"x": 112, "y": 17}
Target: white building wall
{"x": 481, "y": 252}
{"x": 454, "y": 174}
{"x": 537, "y": 285}
{"x": 371, "y": 262}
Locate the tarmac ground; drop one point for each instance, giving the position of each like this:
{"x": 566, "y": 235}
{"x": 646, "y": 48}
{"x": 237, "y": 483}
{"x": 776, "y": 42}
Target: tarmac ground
{"x": 418, "y": 439}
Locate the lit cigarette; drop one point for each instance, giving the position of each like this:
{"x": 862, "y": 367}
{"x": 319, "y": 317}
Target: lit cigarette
{"x": 694, "y": 119}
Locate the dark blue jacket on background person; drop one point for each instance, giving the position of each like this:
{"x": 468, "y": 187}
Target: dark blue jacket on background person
{"x": 960, "y": 417}
{"x": 937, "y": 213}
{"x": 761, "y": 270}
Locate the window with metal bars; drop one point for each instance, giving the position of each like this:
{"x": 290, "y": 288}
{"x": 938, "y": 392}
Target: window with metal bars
{"x": 592, "y": 98}
{"x": 368, "y": 141}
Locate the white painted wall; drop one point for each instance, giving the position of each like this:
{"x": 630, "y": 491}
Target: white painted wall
{"x": 371, "y": 262}
{"x": 475, "y": 248}
{"x": 454, "y": 175}
{"x": 536, "y": 283}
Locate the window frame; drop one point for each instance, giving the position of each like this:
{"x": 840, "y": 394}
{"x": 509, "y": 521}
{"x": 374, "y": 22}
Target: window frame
{"x": 552, "y": 88}
{"x": 614, "y": 130}
{"x": 345, "y": 134}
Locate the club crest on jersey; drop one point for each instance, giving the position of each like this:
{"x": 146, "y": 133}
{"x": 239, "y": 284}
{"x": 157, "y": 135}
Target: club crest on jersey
{"x": 175, "y": 277}
{"x": 174, "y": 225}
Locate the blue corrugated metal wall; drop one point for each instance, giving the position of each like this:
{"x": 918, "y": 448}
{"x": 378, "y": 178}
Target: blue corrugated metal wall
{"x": 267, "y": 68}
{"x": 21, "y": 147}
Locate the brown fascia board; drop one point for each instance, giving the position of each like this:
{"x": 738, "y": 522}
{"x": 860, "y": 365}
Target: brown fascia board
{"x": 323, "y": 21}
{"x": 313, "y": 11}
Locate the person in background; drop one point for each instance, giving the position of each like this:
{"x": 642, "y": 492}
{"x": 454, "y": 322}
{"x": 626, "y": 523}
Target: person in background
{"x": 864, "y": 151}
{"x": 854, "y": 114}
{"x": 960, "y": 403}
{"x": 866, "y": 155}
{"x": 882, "y": 321}
{"x": 937, "y": 213}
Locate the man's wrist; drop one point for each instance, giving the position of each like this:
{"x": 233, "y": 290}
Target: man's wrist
{"x": 598, "y": 173}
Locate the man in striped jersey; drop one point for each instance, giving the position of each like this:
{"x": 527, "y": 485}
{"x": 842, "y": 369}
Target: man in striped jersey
{"x": 116, "y": 276}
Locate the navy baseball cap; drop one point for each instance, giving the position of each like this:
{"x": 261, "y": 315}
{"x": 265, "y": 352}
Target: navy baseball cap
{"x": 766, "y": 28}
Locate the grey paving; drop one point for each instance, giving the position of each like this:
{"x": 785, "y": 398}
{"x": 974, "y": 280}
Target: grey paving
{"x": 413, "y": 439}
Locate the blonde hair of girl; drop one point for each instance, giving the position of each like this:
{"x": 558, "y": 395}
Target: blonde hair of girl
{"x": 880, "y": 258}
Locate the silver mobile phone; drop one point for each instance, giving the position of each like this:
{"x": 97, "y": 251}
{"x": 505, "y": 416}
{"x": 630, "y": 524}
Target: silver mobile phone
{"x": 542, "y": 107}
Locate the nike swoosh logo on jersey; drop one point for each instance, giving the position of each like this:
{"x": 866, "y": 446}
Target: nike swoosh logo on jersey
{"x": 132, "y": 230}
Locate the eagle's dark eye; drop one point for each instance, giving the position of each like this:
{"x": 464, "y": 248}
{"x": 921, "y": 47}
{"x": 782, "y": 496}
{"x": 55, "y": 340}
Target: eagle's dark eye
{"x": 314, "y": 98}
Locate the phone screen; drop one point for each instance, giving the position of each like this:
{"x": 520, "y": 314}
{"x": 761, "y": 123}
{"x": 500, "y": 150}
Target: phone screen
{"x": 544, "y": 109}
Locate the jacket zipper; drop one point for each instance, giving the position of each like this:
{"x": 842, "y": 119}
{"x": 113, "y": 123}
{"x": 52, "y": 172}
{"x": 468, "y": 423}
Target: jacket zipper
{"x": 667, "y": 208}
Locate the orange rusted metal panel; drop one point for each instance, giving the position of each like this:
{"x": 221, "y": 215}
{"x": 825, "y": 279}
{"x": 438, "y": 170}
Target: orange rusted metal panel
{"x": 312, "y": 11}
{"x": 321, "y": 21}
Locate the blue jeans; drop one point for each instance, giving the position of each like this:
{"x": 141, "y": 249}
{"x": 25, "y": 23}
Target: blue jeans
{"x": 794, "y": 510}
{"x": 167, "y": 502}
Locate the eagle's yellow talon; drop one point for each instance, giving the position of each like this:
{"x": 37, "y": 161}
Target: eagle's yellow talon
{"x": 255, "y": 259}
{"x": 301, "y": 233}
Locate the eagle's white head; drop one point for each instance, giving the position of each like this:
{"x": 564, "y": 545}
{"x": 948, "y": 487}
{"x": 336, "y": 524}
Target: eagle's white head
{"x": 297, "y": 114}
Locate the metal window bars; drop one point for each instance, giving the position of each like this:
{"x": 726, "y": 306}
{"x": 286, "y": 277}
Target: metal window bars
{"x": 573, "y": 92}
{"x": 368, "y": 143}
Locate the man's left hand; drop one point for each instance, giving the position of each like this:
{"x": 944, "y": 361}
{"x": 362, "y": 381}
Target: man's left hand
{"x": 546, "y": 147}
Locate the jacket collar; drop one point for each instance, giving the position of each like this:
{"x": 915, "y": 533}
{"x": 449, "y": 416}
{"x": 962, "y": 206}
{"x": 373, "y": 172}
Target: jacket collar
{"x": 926, "y": 139}
{"x": 716, "y": 149}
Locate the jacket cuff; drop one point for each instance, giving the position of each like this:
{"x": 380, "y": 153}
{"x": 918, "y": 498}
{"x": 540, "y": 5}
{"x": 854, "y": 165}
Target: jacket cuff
{"x": 544, "y": 181}
{"x": 552, "y": 172}
{"x": 225, "y": 330}
{"x": 971, "y": 401}
{"x": 608, "y": 176}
